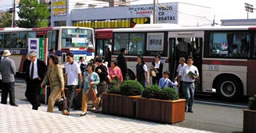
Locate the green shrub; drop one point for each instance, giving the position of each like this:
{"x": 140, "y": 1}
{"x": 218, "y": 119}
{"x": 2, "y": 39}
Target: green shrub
{"x": 114, "y": 89}
{"x": 168, "y": 94}
{"x": 252, "y": 102}
{"x": 151, "y": 91}
{"x": 131, "y": 88}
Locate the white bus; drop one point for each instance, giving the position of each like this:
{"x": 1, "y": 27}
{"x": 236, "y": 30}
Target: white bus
{"x": 225, "y": 56}
{"x": 77, "y": 40}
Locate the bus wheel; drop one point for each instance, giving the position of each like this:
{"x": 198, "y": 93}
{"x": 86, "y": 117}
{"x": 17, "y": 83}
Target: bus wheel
{"x": 131, "y": 74}
{"x": 229, "y": 87}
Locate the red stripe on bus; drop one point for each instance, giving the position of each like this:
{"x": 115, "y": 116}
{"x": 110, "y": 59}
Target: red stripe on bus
{"x": 222, "y": 62}
{"x": 40, "y": 29}
{"x": 104, "y": 34}
{"x": 252, "y": 28}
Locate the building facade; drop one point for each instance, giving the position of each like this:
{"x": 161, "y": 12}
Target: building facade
{"x": 183, "y": 14}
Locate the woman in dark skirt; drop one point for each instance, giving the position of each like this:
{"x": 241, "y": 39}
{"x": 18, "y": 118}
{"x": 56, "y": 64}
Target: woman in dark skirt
{"x": 141, "y": 70}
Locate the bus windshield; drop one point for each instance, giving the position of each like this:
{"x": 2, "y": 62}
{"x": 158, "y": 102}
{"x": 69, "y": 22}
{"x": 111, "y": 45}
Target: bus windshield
{"x": 78, "y": 38}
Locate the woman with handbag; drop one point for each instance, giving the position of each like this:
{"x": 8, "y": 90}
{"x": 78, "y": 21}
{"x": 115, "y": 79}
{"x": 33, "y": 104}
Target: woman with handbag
{"x": 90, "y": 81}
{"x": 55, "y": 78}
{"x": 156, "y": 70}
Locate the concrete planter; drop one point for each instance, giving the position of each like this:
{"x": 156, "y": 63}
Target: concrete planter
{"x": 249, "y": 124}
{"x": 164, "y": 111}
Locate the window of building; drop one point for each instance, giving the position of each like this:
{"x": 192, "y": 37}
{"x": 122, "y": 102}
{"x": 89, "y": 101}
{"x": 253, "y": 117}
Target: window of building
{"x": 228, "y": 44}
{"x": 133, "y": 42}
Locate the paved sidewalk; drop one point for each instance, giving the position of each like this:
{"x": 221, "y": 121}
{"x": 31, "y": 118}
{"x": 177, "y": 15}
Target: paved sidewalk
{"x": 23, "y": 119}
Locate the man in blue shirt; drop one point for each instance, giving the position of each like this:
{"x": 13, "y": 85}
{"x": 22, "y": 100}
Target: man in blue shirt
{"x": 165, "y": 82}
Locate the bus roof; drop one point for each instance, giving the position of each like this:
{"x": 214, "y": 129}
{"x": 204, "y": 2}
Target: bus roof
{"x": 171, "y": 27}
{"x": 10, "y": 29}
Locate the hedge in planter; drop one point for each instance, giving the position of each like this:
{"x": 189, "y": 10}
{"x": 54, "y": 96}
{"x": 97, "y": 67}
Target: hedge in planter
{"x": 151, "y": 91}
{"x": 169, "y": 110}
{"x": 123, "y": 105}
{"x": 131, "y": 88}
{"x": 250, "y": 116}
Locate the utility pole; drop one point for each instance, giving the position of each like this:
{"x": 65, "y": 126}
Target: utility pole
{"x": 154, "y": 11}
{"x": 13, "y": 13}
{"x": 248, "y": 8}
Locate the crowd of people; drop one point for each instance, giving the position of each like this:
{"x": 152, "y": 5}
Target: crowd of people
{"x": 92, "y": 78}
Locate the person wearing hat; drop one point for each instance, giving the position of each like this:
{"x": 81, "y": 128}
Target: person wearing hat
{"x": 8, "y": 71}
{"x": 34, "y": 74}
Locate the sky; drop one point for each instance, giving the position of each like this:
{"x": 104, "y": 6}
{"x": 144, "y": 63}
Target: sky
{"x": 222, "y": 9}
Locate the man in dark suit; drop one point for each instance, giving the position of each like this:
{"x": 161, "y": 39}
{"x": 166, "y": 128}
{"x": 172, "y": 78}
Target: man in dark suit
{"x": 35, "y": 71}
{"x": 121, "y": 62}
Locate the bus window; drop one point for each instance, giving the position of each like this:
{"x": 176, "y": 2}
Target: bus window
{"x": 22, "y": 41}
{"x": 31, "y": 34}
{"x": 52, "y": 39}
{"x": 120, "y": 41}
{"x": 7, "y": 40}
{"x": 133, "y": 42}
{"x": 14, "y": 38}
{"x": 79, "y": 38}
{"x": 228, "y": 44}
{"x": 136, "y": 43}
{"x": 254, "y": 52}
{"x": 1, "y": 40}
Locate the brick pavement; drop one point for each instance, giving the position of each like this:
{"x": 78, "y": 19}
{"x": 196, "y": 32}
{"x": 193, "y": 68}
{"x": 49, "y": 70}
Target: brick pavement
{"x": 23, "y": 119}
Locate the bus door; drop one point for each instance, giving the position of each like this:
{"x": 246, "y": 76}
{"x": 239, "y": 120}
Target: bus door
{"x": 185, "y": 44}
{"x": 102, "y": 45}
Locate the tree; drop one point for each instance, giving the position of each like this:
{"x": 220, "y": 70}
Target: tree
{"x": 5, "y": 19}
{"x": 32, "y": 14}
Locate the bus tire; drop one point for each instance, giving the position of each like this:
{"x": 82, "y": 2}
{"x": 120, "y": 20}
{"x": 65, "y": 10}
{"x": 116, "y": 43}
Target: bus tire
{"x": 229, "y": 87}
{"x": 131, "y": 74}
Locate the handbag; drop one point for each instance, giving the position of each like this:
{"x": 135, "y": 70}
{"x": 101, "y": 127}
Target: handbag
{"x": 153, "y": 73}
{"x": 63, "y": 102}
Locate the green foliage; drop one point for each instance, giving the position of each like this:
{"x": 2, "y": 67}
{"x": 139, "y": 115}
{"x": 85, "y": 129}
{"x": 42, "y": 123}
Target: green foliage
{"x": 168, "y": 94}
{"x": 5, "y": 19}
{"x": 114, "y": 87}
{"x": 114, "y": 90}
{"x": 131, "y": 88}
{"x": 151, "y": 91}
{"x": 252, "y": 102}
{"x": 32, "y": 14}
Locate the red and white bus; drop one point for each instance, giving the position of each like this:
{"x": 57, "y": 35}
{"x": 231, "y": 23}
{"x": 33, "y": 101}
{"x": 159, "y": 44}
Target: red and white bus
{"x": 224, "y": 55}
{"x": 78, "y": 40}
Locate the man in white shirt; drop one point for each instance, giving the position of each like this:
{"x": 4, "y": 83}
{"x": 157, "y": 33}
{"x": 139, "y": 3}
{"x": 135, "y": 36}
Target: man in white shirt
{"x": 188, "y": 74}
{"x": 182, "y": 63}
{"x": 73, "y": 78}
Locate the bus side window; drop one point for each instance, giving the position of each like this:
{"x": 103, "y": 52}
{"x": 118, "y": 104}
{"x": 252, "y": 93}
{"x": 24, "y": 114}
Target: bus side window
{"x": 254, "y": 51}
{"x": 22, "y": 41}
{"x": 121, "y": 40}
{"x": 1, "y": 40}
{"x": 229, "y": 44}
{"x": 7, "y": 40}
